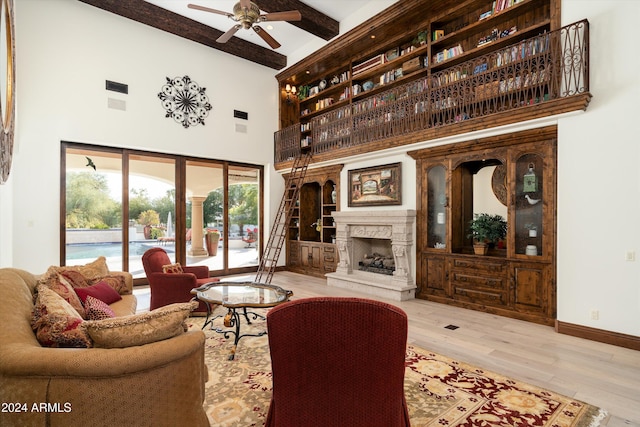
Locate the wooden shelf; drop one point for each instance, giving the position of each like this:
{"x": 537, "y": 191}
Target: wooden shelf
{"x": 333, "y": 106}
{"x": 365, "y": 75}
{"x": 380, "y": 88}
{"x": 484, "y": 25}
{"x": 402, "y": 27}
{"x": 491, "y": 46}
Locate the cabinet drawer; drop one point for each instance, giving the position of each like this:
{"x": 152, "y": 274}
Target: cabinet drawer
{"x": 329, "y": 257}
{"x": 329, "y": 267}
{"x": 493, "y": 267}
{"x": 475, "y": 280}
{"x": 480, "y": 296}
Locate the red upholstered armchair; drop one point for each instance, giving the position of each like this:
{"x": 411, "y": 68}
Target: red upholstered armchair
{"x": 337, "y": 362}
{"x": 167, "y": 288}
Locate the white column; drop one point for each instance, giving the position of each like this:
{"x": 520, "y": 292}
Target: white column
{"x": 197, "y": 215}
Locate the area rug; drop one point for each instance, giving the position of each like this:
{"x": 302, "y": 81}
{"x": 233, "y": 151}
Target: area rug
{"x": 439, "y": 391}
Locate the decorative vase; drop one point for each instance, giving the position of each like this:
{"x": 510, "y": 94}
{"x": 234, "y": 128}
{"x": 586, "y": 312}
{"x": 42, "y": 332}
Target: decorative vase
{"x": 334, "y": 195}
{"x": 531, "y": 250}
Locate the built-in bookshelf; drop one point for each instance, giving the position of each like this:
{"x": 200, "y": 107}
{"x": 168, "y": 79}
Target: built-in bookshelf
{"x": 332, "y": 104}
{"x": 311, "y": 230}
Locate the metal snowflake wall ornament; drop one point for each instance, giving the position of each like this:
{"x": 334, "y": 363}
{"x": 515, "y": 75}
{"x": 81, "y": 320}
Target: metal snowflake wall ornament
{"x": 185, "y": 101}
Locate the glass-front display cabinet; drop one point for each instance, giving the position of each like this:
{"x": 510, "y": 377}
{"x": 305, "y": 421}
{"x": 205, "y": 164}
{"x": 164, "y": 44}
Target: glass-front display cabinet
{"x": 528, "y": 204}
{"x": 512, "y": 178}
{"x": 436, "y": 212}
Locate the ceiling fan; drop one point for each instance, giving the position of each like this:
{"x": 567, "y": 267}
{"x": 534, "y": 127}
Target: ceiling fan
{"x": 246, "y": 13}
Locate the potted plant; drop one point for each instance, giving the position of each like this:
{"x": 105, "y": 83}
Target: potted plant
{"x": 148, "y": 218}
{"x": 212, "y": 238}
{"x": 486, "y": 229}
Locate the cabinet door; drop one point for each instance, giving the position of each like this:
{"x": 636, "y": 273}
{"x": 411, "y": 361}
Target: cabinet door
{"x": 434, "y": 277}
{"x": 533, "y": 289}
{"x": 436, "y": 207}
{"x": 293, "y": 254}
{"x": 310, "y": 256}
{"x": 533, "y": 201}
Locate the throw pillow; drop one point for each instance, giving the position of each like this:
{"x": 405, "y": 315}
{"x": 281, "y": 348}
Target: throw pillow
{"x": 172, "y": 268}
{"x": 117, "y": 282}
{"x": 101, "y": 291}
{"x": 139, "y": 329}
{"x": 92, "y": 270}
{"x": 96, "y": 309}
{"x": 74, "y": 277}
{"x": 59, "y": 284}
{"x": 56, "y": 322}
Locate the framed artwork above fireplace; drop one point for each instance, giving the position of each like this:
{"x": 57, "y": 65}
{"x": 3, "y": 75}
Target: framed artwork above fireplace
{"x": 376, "y": 186}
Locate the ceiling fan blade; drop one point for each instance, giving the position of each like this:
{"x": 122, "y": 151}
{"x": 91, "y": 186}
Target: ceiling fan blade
{"x": 245, "y": 4}
{"x": 226, "y": 36}
{"x": 266, "y": 37}
{"x": 290, "y": 15}
{"x": 208, "y": 9}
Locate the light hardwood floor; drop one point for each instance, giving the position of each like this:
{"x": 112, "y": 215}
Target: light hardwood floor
{"x": 600, "y": 374}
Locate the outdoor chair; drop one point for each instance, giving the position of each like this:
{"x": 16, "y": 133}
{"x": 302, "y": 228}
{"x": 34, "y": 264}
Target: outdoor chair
{"x": 251, "y": 238}
{"x": 169, "y": 288}
{"x": 337, "y": 362}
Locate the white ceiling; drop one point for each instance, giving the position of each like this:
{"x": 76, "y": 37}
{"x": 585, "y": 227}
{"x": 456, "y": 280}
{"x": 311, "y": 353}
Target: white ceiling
{"x": 290, "y": 37}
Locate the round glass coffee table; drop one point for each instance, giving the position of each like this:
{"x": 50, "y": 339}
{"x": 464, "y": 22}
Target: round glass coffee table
{"x": 237, "y": 297}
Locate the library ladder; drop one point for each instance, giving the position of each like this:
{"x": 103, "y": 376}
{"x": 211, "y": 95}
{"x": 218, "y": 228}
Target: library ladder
{"x": 278, "y": 233}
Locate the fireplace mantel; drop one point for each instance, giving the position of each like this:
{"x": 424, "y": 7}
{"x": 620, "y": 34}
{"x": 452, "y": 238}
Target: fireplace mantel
{"x": 395, "y": 225}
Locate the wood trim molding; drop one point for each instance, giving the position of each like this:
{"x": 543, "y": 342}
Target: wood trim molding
{"x": 600, "y": 335}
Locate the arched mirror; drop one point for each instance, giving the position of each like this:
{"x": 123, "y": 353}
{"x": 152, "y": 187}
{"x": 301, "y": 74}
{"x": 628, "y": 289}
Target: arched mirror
{"x": 7, "y": 87}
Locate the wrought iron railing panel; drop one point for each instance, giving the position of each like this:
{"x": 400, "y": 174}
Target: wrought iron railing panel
{"x": 287, "y": 143}
{"x": 549, "y": 66}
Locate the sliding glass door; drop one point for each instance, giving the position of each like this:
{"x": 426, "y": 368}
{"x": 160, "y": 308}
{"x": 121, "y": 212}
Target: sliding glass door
{"x": 152, "y": 207}
{"x": 119, "y": 203}
{"x": 243, "y": 201}
{"x": 92, "y": 208}
{"x": 204, "y": 214}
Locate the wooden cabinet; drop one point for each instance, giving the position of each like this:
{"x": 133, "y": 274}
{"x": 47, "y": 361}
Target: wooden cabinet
{"x": 311, "y": 231}
{"x": 517, "y": 277}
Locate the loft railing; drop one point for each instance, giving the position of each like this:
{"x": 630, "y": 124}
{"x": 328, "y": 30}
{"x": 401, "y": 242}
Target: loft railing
{"x": 550, "y": 66}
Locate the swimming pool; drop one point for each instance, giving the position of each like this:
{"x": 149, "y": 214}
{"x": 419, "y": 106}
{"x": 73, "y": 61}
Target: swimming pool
{"x": 94, "y": 250}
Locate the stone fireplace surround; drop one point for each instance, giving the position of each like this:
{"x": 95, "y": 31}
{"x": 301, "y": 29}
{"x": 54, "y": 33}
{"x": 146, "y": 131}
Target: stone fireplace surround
{"x": 352, "y": 228}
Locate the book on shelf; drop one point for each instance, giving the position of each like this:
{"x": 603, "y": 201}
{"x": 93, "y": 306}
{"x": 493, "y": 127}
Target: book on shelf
{"x": 305, "y": 142}
{"x": 323, "y": 103}
{"x": 448, "y": 54}
{"x": 390, "y": 76}
{"x": 368, "y": 64}
{"x": 346, "y": 93}
{"x": 437, "y": 34}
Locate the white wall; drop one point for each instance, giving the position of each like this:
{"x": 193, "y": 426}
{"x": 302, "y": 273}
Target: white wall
{"x": 67, "y": 49}
{"x": 599, "y": 177}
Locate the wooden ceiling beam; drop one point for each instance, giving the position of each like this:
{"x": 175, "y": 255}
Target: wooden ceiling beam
{"x": 165, "y": 20}
{"x": 313, "y": 21}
